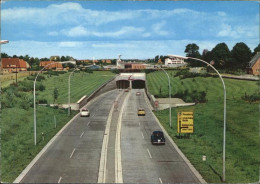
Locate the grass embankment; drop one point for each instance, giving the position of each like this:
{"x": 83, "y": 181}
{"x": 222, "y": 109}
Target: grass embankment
{"x": 242, "y": 134}
{"x": 80, "y": 84}
{"x": 17, "y": 138}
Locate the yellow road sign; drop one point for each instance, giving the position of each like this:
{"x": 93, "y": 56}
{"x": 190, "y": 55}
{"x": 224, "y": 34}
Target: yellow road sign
{"x": 185, "y": 122}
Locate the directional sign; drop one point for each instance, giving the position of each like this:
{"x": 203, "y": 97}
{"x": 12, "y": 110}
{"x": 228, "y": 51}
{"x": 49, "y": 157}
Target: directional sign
{"x": 185, "y": 122}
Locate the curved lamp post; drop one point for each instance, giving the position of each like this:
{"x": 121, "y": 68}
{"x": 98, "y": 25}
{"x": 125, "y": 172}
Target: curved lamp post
{"x": 69, "y": 91}
{"x": 34, "y": 95}
{"x": 224, "y": 129}
{"x": 169, "y": 84}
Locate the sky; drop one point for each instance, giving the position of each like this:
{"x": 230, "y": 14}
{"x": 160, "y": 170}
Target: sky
{"x": 134, "y": 29}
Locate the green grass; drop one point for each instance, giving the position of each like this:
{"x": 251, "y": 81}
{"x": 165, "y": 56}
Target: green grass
{"x": 242, "y": 135}
{"x": 17, "y": 138}
{"x": 81, "y": 84}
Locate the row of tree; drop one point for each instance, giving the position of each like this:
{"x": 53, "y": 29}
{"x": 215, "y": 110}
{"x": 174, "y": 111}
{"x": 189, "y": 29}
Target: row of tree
{"x": 237, "y": 58}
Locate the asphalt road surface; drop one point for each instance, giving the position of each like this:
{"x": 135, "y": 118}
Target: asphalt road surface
{"x": 74, "y": 157}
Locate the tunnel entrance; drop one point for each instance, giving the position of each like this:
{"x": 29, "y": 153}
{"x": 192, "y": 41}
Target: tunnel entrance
{"x": 138, "y": 84}
{"x": 122, "y": 84}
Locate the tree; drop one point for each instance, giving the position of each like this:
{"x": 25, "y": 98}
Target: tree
{"x": 26, "y": 58}
{"x": 221, "y": 56}
{"x": 4, "y": 55}
{"x": 241, "y": 55}
{"x": 192, "y": 50}
{"x": 257, "y": 49}
{"x": 156, "y": 59}
{"x": 55, "y": 94}
{"x": 15, "y": 56}
{"x": 207, "y": 55}
{"x": 63, "y": 58}
{"x": 31, "y": 61}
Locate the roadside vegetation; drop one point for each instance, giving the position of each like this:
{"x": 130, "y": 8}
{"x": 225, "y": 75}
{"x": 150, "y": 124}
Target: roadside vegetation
{"x": 17, "y": 138}
{"x": 242, "y": 134}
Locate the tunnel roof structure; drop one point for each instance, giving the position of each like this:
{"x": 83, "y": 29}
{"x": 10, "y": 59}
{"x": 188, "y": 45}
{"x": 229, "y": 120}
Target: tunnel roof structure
{"x": 131, "y": 76}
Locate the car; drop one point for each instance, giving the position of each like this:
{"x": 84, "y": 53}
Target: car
{"x": 84, "y": 112}
{"x": 157, "y": 137}
{"x": 126, "y": 90}
{"x": 138, "y": 93}
{"x": 141, "y": 112}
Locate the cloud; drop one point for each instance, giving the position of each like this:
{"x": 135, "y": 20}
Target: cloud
{"x": 158, "y": 28}
{"x": 82, "y": 31}
{"x": 70, "y": 44}
{"x": 227, "y": 30}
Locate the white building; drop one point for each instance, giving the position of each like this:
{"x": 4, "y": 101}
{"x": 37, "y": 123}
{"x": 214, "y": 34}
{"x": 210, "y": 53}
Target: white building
{"x": 174, "y": 61}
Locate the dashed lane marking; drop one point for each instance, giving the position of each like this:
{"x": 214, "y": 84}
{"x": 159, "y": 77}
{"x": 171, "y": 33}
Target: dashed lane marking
{"x": 149, "y": 153}
{"x": 59, "y": 179}
{"x": 72, "y": 152}
{"x": 81, "y": 134}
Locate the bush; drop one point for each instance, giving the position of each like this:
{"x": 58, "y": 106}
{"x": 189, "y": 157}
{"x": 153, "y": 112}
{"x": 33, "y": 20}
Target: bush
{"x": 42, "y": 101}
{"x": 251, "y": 98}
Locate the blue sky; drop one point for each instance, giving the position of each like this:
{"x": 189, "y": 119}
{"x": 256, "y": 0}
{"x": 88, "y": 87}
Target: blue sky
{"x": 134, "y": 29}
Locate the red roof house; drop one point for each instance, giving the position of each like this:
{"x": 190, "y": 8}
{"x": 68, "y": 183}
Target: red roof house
{"x": 14, "y": 64}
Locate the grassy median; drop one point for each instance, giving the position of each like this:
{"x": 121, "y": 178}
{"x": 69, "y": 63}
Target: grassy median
{"x": 242, "y": 135}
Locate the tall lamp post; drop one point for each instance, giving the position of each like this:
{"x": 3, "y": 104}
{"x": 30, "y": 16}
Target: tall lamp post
{"x": 69, "y": 91}
{"x": 34, "y": 96}
{"x": 169, "y": 84}
{"x": 224, "y": 129}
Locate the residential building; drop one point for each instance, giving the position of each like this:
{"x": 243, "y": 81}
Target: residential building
{"x": 14, "y": 64}
{"x": 57, "y": 65}
{"x": 254, "y": 65}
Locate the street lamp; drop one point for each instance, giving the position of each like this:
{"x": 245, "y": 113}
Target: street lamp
{"x": 69, "y": 92}
{"x": 34, "y": 96}
{"x": 224, "y": 129}
{"x": 169, "y": 84}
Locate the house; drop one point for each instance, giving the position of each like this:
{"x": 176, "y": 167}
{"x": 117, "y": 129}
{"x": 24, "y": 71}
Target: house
{"x": 14, "y": 64}
{"x": 56, "y": 65}
{"x": 254, "y": 65}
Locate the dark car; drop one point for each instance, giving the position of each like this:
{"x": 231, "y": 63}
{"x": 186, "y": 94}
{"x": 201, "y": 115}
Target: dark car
{"x": 157, "y": 137}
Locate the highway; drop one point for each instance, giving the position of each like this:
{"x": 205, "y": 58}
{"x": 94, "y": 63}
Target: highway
{"x": 74, "y": 156}
{"x": 111, "y": 146}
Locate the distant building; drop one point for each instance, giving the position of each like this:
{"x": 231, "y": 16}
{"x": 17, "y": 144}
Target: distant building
{"x": 174, "y": 61}
{"x": 14, "y": 64}
{"x": 54, "y": 58}
{"x": 57, "y": 66}
{"x": 254, "y": 65}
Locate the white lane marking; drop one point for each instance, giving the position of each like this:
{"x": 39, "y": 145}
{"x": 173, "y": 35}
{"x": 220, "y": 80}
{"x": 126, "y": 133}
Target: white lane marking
{"x": 149, "y": 153}
{"x": 59, "y": 179}
{"x": 72, "y": 152}
{"x": 81, "y": 134}
{"x": 142, "y": 135}
{"x": 139, "y": 123}
{"x": 160, "y": 180}
{"x": 88, "y": 123}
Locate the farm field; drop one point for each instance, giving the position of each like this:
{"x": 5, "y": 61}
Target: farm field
{"x": 80, "y": 84}
{"x": 17, "y": 139}
{"x": 242, "y": 135}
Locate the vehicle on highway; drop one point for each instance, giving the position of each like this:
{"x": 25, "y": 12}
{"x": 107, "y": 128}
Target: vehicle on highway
{"x": 138, "y": 93}
{"x": 127, "y": 90}
{"x": 157, "y": 137}
{"x": 141, "y": 112}
{"x": 84, "y": 112}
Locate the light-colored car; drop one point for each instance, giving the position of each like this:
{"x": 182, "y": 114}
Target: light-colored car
{"x": 84, "y": 112}
{"x": 141, "y": 112}
{"x": 138, "y": 93}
